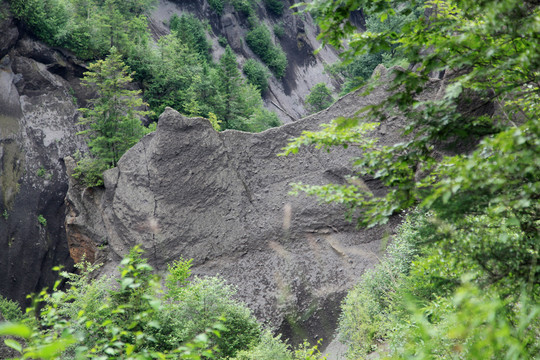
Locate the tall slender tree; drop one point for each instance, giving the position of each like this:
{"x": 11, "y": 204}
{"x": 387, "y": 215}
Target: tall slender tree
{"x": 112, "y": 119}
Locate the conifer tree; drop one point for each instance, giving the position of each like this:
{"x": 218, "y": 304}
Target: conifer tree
{"x": 231, "y": 84}
{"x": 112, "y": 118}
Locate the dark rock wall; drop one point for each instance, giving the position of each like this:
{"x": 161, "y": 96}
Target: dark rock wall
{"x": 38, "y": 89}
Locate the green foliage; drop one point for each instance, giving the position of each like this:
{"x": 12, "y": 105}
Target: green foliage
{"x": 279, "y": 30}
{"x": 201, "y": 303}
{"x": 319, "y": 98}
{"x": 260, "y": 41}
{"x": 262, "y": 119}
{"x": 41, "y": 172}
{"x": 222, "y": 41}
{"x": 179, "y": 272}
{"x": 276, "y": 7}
{"x": 184, "y": 80}
{"x": 359, "y": 68}
{"x": 214, "y": 121}
{"x": 307, "y": 352}
{"x": 178, "y": 72}
{"x": 483, "y": 244}
{"x": 112, "y": 119}
{"x": 191, "y": 31}
{"x": 245, "y": 7}
{"x": 268, "y": 348}
{"x": 368, "y": 310}
{"x": 273, "y": 348}
{"x": 5, "y": 214}
{"x": 45, "y": 18}
{"x": 469, "y": 325}
{"x": 94, "y": 320}
{"x": 257, "y": 74}
{"x": 217, "y": 5}
{"x": 89, "y": 170}
{"x": 41, "y": 220}
{"x": 10, "y": 310}
{"x": 88, "y": 27}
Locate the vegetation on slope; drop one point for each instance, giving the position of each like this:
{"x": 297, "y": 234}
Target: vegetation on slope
{"x": 141, "y": 317}
{"x": 178, "y": 72}
{"x": 472, "y": 290}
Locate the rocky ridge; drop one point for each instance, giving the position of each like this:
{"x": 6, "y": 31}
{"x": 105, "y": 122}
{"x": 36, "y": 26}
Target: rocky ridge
{"x": 222, "y": 199}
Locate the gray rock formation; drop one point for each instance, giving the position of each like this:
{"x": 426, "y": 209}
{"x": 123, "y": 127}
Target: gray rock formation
{"x": 37, "y": 130}
{"x": 222, "y": 199}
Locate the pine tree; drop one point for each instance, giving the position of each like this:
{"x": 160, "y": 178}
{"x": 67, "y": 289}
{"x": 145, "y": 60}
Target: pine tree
{"x": 112, "y": 118}
{"x": 231, "y": 84}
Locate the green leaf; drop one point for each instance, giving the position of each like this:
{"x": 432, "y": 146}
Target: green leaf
{"x": 15, "y": 329}
{"x": 13, "y": 344}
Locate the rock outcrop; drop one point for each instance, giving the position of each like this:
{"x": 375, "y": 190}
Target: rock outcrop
{"x": 222, "y": 199}
{"x": 37, "y": 130}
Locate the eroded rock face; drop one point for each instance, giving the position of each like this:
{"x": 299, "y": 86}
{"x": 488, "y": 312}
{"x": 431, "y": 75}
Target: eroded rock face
{"x": 222, "y": 199}
{"x": 37, "y": 130}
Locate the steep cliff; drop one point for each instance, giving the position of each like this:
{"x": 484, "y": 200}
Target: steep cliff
{"x": 37, "y": 130}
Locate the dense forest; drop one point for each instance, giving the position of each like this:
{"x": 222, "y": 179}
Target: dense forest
{"x": 459, "y": 280}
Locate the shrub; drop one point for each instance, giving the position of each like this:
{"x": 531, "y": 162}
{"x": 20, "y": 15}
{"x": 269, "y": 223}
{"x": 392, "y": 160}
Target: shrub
{"x": 275, "y": 6}
{"x": 367, "y": 310}
{"x": 45, "y": 18}
{"x": 222, "y": 41}
{"x": 262, "y": 119}
{"x": 319, "y": 98}
{"x": 217, "y": 5}
{"x": 260, "y": 41}
{"x": 279, "y": 30}
{"x": 10, "y": 310}
{"x": 199, "y": 305}
{"x": 268, "y": 348}
{"x": 257, "y": 74}
{"x": 244, "y": 7}
{"x": 95, "y": 319}
{"x": 41, "y": 220}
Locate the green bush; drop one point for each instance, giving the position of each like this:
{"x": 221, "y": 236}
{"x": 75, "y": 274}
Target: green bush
{"x": 367, "y": 311}
{"x": 245, "y": 7}
{"x": 217, "y": 5}
{"x": 275, "y": 6}
{"x": 260, "y": 42}
{"x": 41, "y": 220}
{"x": 262, "y": 119}
{"x": 94, "y": 318}
{"x": 319, "y": 98}
{"x": 257, "y": 74}
{"x": 269, "y": 348}
{"x": 10, "y": 310}
{"x": 200, "y": 304}
{"x": 222, "y": 41}
{"x": 279, "y": 30}
{"x": 89, "y": 170}
{"x": 46, "y": 18}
